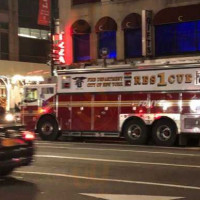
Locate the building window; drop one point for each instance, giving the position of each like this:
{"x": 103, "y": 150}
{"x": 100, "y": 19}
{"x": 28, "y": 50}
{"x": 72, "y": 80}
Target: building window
{"x": 33, "y": 50}
{"x": 107, "y": 40}
{"x": 81, "y": 40}
{"x": 81, "y": 44}
{"x": 48, "y": 90}
{"x": 33, "y": 33}
{"x": 132, "y": 35}
{"x": 106, "y": 29}
{"x": 4, "y": 48}
{"x": 3, "y": 4}
{"x": 3, "y": 25}
{"x": 177, "y": 38}
{"x": 133, "y": 43}
{"x": 28, "y": 14}
{"x": 76, "y": 2}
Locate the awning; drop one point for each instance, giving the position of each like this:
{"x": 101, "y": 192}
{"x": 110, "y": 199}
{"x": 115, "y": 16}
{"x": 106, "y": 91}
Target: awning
{"x": 132, "y": 21}
{"x": 177, "y": 14}
{"x": 81, "y": 27}
{"x": 106, "y": 24}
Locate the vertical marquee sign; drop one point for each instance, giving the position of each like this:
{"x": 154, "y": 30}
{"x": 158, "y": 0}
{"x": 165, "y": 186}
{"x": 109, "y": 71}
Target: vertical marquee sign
{"x": 44, "y": 12}
{"x": 147, "y": 47}
{"x": 58, "y": 54}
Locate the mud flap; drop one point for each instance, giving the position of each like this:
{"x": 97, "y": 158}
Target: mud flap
{"x": 182, "y": 140}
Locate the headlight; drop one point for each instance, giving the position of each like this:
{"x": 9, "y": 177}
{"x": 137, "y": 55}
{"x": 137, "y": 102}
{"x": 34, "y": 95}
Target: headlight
{"x": 9, "y": 117}
{"x": 18, "y": 118}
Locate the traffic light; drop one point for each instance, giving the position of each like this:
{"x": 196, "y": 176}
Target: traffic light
{"x": 58, "y": 49}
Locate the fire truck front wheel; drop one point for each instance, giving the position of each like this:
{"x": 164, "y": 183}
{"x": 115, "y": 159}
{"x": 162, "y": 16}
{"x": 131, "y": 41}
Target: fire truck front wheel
{"x": 135, "y": 132}
{"x": 48, "y": 128}
{"x": 164, "y": 132}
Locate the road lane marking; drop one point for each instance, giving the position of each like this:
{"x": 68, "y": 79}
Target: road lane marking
{"x": 119, "y": 145}
{"x": 117, "y": 161}
{"x": 121, "y": 150}
{"x": 130, "y": 197}
{"x": 110, "y": 180}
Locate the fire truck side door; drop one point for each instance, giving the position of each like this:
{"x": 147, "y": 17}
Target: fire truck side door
{"x": 45, "y": 93}
{"x": 30, "y": 106}
{"x": 106, "y": 114}
{"x": 81, "y": 112}
{"x": 64, "y": 111}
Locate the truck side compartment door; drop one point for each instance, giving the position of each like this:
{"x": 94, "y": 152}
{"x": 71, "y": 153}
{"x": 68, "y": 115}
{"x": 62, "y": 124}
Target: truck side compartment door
{"x": 106, "y": 115}
{"x": 64, "y": 111}
{"x": 81, "y": 112}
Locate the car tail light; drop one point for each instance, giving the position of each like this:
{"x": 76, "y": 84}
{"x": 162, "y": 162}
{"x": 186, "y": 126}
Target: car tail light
{"x": 27, "y": 135}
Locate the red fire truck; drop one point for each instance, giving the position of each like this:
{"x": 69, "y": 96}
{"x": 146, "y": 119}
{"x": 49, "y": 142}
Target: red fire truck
{"x": 159, "y": 103}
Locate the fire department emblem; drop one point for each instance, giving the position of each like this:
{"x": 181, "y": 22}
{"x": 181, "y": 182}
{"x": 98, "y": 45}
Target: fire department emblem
{"x": 79, "y": 81}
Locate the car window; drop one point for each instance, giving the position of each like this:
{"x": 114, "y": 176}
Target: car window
{"x": 48, "y": 90}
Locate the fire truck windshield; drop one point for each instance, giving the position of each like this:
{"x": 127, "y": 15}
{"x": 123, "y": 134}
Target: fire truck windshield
{"x": 31, "y": 95}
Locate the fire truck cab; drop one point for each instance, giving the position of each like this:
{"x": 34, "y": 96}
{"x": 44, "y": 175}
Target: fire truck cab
{"x": 138, "y": 103}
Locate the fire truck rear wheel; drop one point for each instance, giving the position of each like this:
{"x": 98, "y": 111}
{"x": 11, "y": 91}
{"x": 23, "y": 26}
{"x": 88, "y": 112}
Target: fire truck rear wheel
{"x": 48, "y": 129}
{"x": 164, "y": 132}
{"x": 135, "y": 132}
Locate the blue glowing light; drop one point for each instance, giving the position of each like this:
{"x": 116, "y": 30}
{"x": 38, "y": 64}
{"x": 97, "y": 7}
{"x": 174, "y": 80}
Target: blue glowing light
{"x": 107, "y": 40}
{"x": 177, "y": 38}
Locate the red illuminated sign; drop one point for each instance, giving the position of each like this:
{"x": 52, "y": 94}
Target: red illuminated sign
{"x": 44, "y": 12}
{"x": 58, "y": 53}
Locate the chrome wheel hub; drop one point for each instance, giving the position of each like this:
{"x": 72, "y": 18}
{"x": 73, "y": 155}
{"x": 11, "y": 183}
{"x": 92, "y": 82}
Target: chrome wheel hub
{"x": 164, "y": 133}
{"x": 134, "y": 131}
{"x": 47, "y": 129}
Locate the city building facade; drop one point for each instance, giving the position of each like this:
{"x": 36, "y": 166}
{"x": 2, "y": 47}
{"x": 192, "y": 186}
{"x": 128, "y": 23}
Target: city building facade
{"x": 129, "y": 29}
{"x": 24, "y": 43}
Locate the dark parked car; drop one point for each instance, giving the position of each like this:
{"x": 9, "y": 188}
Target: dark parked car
{"x": 16, "y": 145}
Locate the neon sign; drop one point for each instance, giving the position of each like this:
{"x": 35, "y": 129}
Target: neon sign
{"x": 58, "y": 54}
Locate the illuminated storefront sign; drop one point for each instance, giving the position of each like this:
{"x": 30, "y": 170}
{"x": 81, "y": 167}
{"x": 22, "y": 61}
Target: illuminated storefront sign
{"x": 58, "y": 52}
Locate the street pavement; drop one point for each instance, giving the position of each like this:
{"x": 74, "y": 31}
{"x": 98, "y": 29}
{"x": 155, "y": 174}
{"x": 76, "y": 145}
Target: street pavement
{"x": 107, "y": 171}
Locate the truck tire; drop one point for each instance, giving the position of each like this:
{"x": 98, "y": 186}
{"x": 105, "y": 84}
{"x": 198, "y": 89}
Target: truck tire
{"x": 135, "y": 132}
{"x": 48, "y": 129}
{"x": 164, "y": 132}
{"x": 6, "y": 171}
